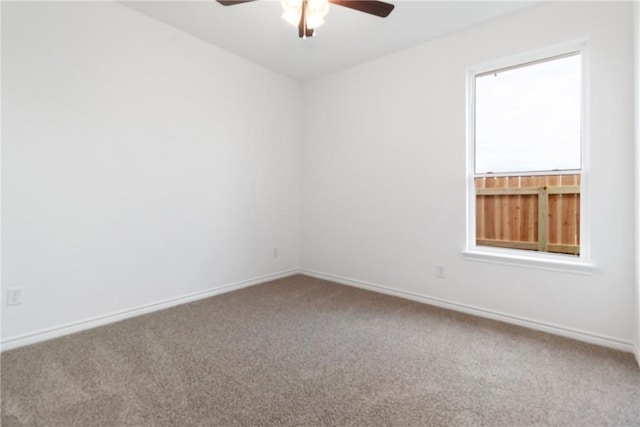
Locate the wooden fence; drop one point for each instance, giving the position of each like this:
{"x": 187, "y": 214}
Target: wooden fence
{"x": 529, "y": 212}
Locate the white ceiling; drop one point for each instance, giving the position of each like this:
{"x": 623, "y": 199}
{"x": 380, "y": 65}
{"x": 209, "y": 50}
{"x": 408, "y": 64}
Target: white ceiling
{"x": 256, "y": 32}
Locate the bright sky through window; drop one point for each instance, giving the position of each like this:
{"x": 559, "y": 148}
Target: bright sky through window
{"x": 528, "y": 118}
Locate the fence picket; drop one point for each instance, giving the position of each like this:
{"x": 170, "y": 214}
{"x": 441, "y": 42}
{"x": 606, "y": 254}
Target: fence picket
{"x": 489, "y": 212}
{"x": 513, "y": 218}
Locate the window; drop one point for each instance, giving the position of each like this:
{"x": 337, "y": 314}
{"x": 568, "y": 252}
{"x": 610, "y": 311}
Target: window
{"x": 526, "y": 155}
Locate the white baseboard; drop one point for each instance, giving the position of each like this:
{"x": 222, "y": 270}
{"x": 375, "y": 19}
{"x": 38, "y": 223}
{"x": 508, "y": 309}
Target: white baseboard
{"x": 637, "y": 353}
{"x": 576, "y": 334}
{"x": 70, "y": 328}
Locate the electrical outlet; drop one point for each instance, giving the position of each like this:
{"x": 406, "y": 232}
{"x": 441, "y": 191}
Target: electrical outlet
{"x": 275, "y": 252}
{"x": 440, "y": 271}
{"x": 14, "y": 296}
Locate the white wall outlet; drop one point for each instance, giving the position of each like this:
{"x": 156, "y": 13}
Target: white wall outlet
{"x": 275, "y": 252}
{"x": 440, "y": 271}
{"x": 14, "y": 296}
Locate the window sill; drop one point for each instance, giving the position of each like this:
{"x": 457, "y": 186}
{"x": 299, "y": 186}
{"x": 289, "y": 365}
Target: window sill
{"x": 527, "y": 259}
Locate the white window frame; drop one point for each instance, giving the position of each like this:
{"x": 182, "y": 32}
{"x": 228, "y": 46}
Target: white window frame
{"x": 541, "y": 260}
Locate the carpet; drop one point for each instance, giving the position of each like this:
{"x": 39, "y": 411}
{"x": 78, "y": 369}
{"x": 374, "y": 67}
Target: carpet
{"x": 301, "y": 351}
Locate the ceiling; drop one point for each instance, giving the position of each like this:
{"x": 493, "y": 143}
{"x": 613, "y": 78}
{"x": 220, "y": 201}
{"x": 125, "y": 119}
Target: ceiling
{"x": 256, "y": 32}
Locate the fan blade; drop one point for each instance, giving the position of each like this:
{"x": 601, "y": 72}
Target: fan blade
{"x": 233, "y": 2}
{"x": 378, "y": 8}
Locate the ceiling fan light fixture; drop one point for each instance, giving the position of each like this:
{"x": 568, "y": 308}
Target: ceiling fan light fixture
{"x": 292, "y": 10}
{"x": 308, "y": 15}
{"x": 314, "y": 22}
{"x": 315, "y": 11}
{"x": 291, "y": 16}
{"x": 318, "y": 8}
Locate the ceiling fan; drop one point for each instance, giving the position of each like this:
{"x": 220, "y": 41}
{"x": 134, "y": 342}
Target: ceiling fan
{"x": 308, "y": 15}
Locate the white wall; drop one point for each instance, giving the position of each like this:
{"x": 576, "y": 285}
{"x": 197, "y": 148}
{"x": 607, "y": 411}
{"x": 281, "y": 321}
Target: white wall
{"x": 384, "y": 176}
{"x": 139, "y": 164}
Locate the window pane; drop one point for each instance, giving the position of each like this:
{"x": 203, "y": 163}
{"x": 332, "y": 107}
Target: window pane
{"x": 528, "y": 118}
{"x": 509, "y": 212}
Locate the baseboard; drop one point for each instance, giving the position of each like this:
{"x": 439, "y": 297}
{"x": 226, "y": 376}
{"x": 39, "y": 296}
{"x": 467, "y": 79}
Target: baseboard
{"x": 576, "y": 334}
{"x": 70, "y": 328}
{"x": 637, "y": 353}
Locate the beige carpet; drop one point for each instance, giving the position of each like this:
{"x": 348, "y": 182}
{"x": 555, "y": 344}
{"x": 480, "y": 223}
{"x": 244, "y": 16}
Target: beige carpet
{"x": 301, "y": 351}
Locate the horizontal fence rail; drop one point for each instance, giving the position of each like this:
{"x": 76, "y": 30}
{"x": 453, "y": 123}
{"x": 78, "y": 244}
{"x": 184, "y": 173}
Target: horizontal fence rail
{"x": 540, "y": 213}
